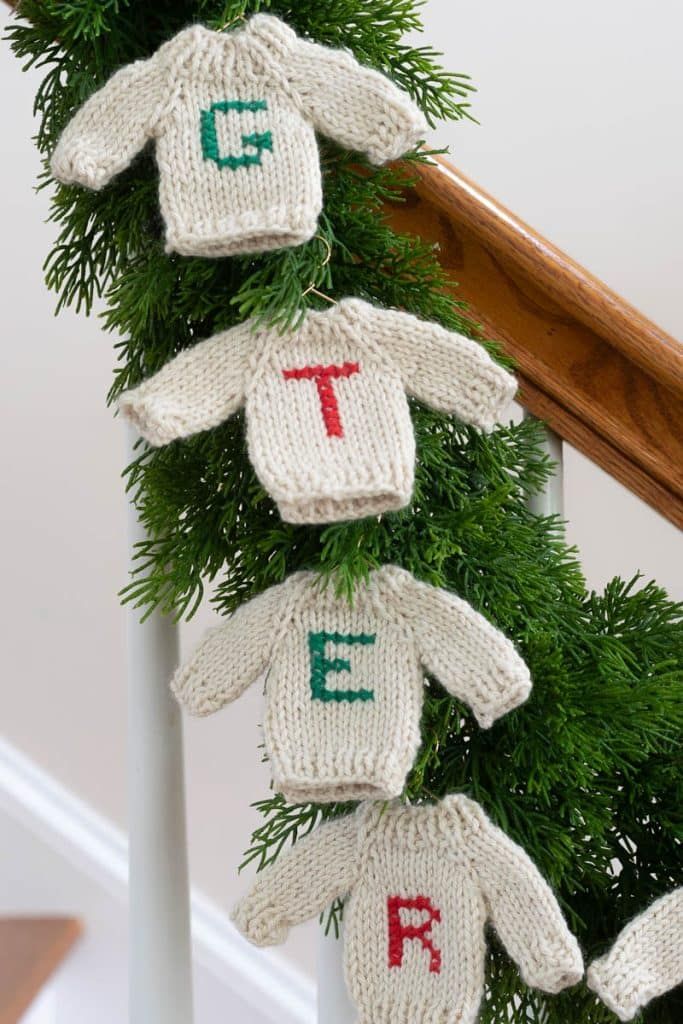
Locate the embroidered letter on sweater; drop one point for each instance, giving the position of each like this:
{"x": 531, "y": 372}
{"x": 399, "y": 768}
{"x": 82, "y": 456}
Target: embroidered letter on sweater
{"x": 422, "y": 883}
{"x": 323, "y": 377}
{"x": 234, "y": 116}
{"x": 257, "y": 141}
{"x": 328, "y": 422}
{"x": 345, "y": 684}
{"x": 399, "y": 933}
{"x": 320, "y": 665}
{"x": 646, "y": 960}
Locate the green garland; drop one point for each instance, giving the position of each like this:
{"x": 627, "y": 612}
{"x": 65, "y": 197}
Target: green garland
{"x": 587, "y": 776}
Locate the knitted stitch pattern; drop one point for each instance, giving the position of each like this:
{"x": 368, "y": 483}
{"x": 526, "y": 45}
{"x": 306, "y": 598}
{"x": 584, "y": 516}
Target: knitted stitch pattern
{"x": 328, "y": 425}
{"x": 423, "y": 881}
{"x": 646, "y": 961}
{"x": 234, "y": 118}
{"x": 344, "y": 690}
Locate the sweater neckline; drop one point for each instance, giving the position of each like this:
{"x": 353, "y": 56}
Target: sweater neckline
{"x": 233, "y": 35}
{"x": 396, "y": 811}
{"x": 255, "y": 26}
{"x": 332, "y": 311}
{"x": 378, "y": 582}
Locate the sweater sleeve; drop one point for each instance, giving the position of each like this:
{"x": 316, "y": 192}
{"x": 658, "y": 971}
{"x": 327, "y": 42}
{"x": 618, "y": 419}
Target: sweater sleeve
{"x": 645, "y": 962}
{"x": 358, "y": 107}
{"x": 113, "y": 125}
{"x": 320, "y": 868}
{"x": 197, "y": 390}
{"x": 521, "y": 906}
{"x": 472, "y": 659}
{"x": 233, "y": 655}
{"x": 445, "y": 370}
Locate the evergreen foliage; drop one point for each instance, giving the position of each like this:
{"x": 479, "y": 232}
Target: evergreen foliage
{"x": 587, "y": 776}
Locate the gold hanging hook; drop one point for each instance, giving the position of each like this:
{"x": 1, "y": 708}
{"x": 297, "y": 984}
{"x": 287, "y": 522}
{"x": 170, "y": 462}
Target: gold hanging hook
{"x": 312, "y": 290}
{"x": 233, "y": 21}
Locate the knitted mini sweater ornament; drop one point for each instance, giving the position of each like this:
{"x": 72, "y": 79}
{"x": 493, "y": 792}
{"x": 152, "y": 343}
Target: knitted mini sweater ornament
{"x": 646, "y": 961}
{"x": 345, "y": 684}
{"x": 422, "y": 883}
{"x": 234, "y": 118}
{"x": 328, "y": 424}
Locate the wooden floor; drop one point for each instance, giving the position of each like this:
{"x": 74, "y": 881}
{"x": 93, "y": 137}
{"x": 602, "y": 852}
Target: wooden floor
{"x": 31, "y": 949}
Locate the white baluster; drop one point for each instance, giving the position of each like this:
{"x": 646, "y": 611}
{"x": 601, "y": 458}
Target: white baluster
{"x": 160, "y": 958}
{"x": 551, "y": 500}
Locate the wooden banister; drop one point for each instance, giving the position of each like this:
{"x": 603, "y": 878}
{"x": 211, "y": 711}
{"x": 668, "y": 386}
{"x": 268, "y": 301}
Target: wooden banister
{"x": 31, "y": 949}
{"x": 602, "y": 375}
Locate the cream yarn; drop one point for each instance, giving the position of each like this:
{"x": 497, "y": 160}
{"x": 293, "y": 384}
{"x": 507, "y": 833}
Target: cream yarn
{"x": 422, "y": 882}
{"x": 344, "y": 689}
{"x": 234, "y": 118}
{"x": 328, "y": 425}
{"x": 646, "y": 960}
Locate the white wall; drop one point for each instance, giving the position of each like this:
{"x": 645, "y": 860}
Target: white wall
{"x": 579, "y": 107}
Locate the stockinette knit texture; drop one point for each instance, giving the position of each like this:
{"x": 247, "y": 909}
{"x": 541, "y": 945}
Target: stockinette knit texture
{"x": 646, "y": 961}
{"x": 328, "y": 424}
{"x": 345, "y": 684}
{"x": 234, "y": 118}
{"x": 422, "y": 882}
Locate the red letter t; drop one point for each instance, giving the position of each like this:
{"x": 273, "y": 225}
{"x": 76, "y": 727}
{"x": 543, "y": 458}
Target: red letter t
{"x": 323, "y": 377}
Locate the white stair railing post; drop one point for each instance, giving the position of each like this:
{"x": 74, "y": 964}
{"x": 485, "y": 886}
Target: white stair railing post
{"x": 334, "y": 1005}
{"x": 551, "y": 499}
{"x": 160, "y": 956}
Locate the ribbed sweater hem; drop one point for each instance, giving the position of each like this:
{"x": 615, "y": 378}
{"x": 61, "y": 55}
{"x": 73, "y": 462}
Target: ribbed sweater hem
{"x": 412, "y": 1013}
{"x": 250, "y": 232}
{"x": 355, "y": 504}
{"x": 381, "y": 780}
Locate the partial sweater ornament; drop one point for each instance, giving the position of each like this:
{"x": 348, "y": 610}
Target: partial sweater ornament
{"x": 421, "y": 882}
{"x": 646, "y": 960}
{"x": 345, "y": 684}
{"x": 328, "y": 424}
{"x": 234, "y": 117}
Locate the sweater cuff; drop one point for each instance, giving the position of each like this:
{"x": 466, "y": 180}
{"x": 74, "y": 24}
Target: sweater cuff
{"x": 383, "y": 151}
{"x": 192, "y": 694}
{"x": 156, "y": 424}
{"x": 503, "y": 390}
{"x": 258, "y": 925}
{"x": 555, "y": 977}
{"x": 515, "y": 695}
{"x": 607, "y": 987}
{"x": 78, "y": 168}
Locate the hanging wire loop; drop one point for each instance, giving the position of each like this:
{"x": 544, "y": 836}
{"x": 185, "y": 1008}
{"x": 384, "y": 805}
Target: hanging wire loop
{"x": 312, "y": 289}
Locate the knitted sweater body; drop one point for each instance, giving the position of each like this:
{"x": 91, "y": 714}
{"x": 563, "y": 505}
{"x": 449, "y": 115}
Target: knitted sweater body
{"x": 422, "y": 883}
{"x": 344, "y": 689}
{"x": 328, "y": 424}
{"x": 234, "y": 118}
{"x": 646, "y": 960}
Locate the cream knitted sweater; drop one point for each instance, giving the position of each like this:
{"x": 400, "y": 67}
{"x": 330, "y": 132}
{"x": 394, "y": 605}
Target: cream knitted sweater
{"x": 646, "y": 961}
{"x": 234, "y": 118}
{"x": 423, "y": 881}
{"x": 344, "y": 689}
{"x": 328, "y": 424}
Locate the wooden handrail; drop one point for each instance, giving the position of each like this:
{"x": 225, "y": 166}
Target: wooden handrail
{"x": 602, "y": 375}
